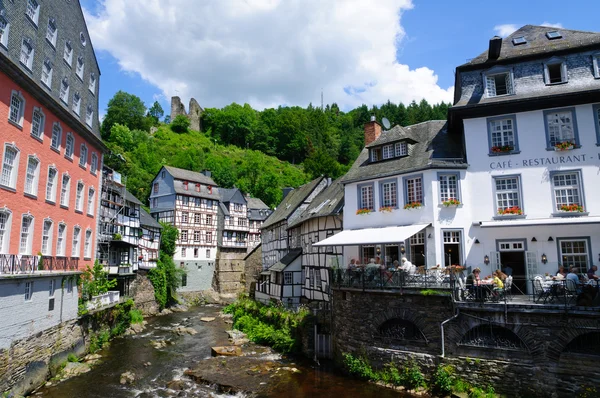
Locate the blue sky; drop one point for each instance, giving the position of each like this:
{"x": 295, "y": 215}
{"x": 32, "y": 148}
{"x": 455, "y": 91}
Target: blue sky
{"x": 269, "y": 52}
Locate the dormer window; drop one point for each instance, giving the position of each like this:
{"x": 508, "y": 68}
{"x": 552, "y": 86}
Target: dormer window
{"x": 554, "y": 34}
{"x": 519, "y": 40}
{"x": 498, "y": 81}
{"x": 401, "y": 149}
{"x": 555, "y": 71}
{"x": 375, "y": 154}
{"x": 388, "y": 151}
{"x": 185, "y": 185}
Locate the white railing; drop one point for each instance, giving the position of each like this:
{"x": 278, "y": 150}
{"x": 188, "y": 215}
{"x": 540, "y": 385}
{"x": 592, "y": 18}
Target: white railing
{"x": 103, "y": 300}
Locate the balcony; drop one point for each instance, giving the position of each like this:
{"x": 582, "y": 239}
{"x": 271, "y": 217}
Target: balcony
{"x": 233, "y": 243}
{"x": 14, "y": 264}
{"x": 235, "y": 227}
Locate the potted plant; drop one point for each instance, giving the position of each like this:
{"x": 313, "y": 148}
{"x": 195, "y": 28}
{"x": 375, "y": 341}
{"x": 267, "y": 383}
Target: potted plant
{"x": 117, "y": 237}
{"x": 386, "y": 209}
{"x": 362, "y": 212}
{"x": 502, "y": 148}
{"x": 452, "y": 202}
{"x": 514, "y": 211}
{"x": 413, "y": 205}
{"x": 574, "y": 208}
{"x": 564, "y": 146}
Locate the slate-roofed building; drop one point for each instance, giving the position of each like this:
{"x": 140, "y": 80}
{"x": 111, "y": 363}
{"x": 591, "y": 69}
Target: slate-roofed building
{"x": 258, "y": 212}
{"x": 233, "y": 220}
{"x": 149, "y": 244}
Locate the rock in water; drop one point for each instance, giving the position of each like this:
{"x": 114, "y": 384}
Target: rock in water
{"x": 230, "y": 351}
{"x": 127, "y": 377}
{"x": 75, "y": 369}
{"x": 207, "y": 318}
{"x": 181, "y": 330}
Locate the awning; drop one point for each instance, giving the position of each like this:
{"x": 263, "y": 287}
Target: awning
{"x": 372, "y": 236}
{"x": 540, "y": 221}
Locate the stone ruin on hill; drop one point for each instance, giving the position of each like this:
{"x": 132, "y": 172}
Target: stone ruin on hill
{"x": 195, "y": 111}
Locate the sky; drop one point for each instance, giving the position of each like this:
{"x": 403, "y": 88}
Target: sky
{"x": 286, "y": 52}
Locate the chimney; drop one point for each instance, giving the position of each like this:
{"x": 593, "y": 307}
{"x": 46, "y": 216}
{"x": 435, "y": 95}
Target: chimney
{"x": 207, "y": 173}
{"x": 372, "y": 131}
{"x": 495, "y": 47}
{"x": 286, "y": 191}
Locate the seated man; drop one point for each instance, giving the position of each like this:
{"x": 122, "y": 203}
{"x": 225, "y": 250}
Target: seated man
{"x": 591, "y": 274}
{"x": 408, "y": 266}
{"x": 573, "y": 281}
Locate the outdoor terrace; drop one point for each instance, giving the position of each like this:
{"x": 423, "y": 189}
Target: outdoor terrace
{"x": 16, "y": 264}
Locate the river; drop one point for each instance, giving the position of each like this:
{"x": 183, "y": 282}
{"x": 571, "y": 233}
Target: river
{"x": 134, "y": 353}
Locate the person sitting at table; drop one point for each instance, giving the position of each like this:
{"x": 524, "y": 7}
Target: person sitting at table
{"x": 591, "y": 274}
{"x": 352, "y": 264}
{"x": 472, "y": 283}
{"x": 395, "y": 265}
{"x": 498, "y": 284}
{"x": 573, "y": 281}
{"x": 501, "y": 275}
{"x": 408, "y": 266}
{"x": 562, "y": 273}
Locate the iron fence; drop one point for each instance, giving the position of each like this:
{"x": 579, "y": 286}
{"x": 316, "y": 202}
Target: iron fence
{"x": 376, "y": 278}
{"x": 11, "y": 264}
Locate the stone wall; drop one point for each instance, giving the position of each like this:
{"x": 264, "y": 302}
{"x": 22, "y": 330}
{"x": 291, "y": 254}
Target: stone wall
{"x": 521, "y": 350}
{"x": 194, "y": 114}
{"x": 142, "y": 292}
{"x": 177, "y": 108}
{"x": 252, "y": 268}
{"x": 229, "y": 271}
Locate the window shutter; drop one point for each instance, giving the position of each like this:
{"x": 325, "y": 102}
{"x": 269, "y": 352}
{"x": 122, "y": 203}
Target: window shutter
{"x": 509, "y": 87}
{"x": 490, "y": 86}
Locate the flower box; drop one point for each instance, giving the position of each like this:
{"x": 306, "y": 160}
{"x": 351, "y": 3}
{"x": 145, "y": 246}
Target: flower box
{"x": 572, "y": 208}
{"x": 510, "y": 211}
{"x": 363, "y": 212}
{"x": 451, "y": 202}
{"x": 564, "y": 146}
{"x": 413, "y": 205}
{"x": 502, "y": 149}
{"x": 386, "y": 209}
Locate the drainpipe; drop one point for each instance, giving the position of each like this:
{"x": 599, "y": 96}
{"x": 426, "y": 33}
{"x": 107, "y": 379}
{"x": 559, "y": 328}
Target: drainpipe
{"x": 442, "y": 329}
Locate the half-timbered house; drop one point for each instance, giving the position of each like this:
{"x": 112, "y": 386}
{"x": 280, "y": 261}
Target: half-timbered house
{"x": 258, "y": 212}
{"x": 149, "y": 244}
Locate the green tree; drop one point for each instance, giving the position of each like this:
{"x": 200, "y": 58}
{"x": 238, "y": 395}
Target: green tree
{"x": 168, "y": 238}
{"x": 181, "y": 124}
{"x": 156, "y": 112}
{"x": 94, "y": 281}
{"x": 126, "y": 109}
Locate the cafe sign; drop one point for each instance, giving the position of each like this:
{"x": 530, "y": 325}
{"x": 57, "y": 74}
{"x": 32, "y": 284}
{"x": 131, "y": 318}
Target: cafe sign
{"x": 545, "y": 161}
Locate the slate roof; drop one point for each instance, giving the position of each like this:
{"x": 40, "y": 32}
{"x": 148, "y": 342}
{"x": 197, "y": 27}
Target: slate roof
{"x": 257, "y": 209}
{"x": 435, "y": 149}
{"x": 188, "y": 175}
{"x": 538, "y": 43}
{"x": 147, "y": 220}
{"x": 191, "y": 191}
{"x": 286, "y": 260}
{"x": 329, "y": 202}
{"x": 224, "y": 209}
{"x": 256, "y": 203}
{"x": 396, "y": 133}
{"x": 290, "y": 203}
{"x": 131, "y": 198}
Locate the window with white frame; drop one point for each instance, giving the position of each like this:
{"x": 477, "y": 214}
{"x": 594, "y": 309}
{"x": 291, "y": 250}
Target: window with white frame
{"x": 47, "y": 237}
{"x": 27, "y": 51}
{"x": 183, "y": 252}
{"x": 502, "y": 134}
{"x": 32, "y": 175}
{"x": 375, "y": 154}
{"x": 38, "y": 120}
{"x": 64, "y": 190}
{"x": 10, "y": 166}
{"x": 28, "y": 290}
{"x": 208, "y": 237}
{"x": 56, "y": 136}
{"x": 508, "y": 195}
{"x": 51, "y": 32}
{"x": 365, "y": 198}
{"x": 47, "y": 73}
{"x": 497, "y": 84}
{"x": 555, "y": 71}
{"x": 61, "y": 240}
{"x": 185, "y": 217}
{"x": 89, "y": 115}
{"x": 79, "y": 67}
{"x": 79, "y": 196}
{"x": 94, "y": 163}
{"x": 4, "y": 28}
{"x": 417, "y": 248}
{"x": 288, "y": 278}
{"x": 208, "y": 219}
{"x": 87, "y": 248}
{"x": 69, "y": 146}
{"x": 64, "y": 90}
{"x": 68, "y": 53}
{"x": 388, "y": 151}
{"x": 90, "y": 203}
{"x": 561, "y": 127}
{"x": 17, "y": 108}
{"x": 184, "y": 236}
{"x": 5, "y": 224}
{"x": 197, "y": 218}
{"x": 207, "y": 253}
{"x": 567, "y": 191}
{"x": 26, "y": 234}
{"x": 196, "y": 236}
{"x": 76, "y": 103}
{"x": 389, "y": 194}
{"x": 414, "y": 190}
{"x": 33, "y": 11}
{"x": 83, "y": 155}
{"x": 448, "y": 187}
{"x": 574, "y": 253}
{"x": 51, "y": 184}
{"x": 401, "y": 149}
{"x": 92, "y": 84}
{"x": 52, "y": 288}
{"x": 76, "y": 242}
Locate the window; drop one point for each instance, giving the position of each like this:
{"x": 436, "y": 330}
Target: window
{"x": 401, "y": 149}
{"x": 413, "y": 187}
{"x": 64, "y": 90}
{"x": 69, "y": 146}
{"x": 184, "y": 236}
{"x": 208, "y": 237}
{"x": 68, "y": 53}
{"x": 89, "y": 115}
{"x": 92, "y": 85}
{"x": 389, "y": 194}
{"x": 51, "y": 32}
{"x": 33, "y": 11}
{"x": 452, "y": 247}
{"x": 47, "y": 73}
{"x": 28, "y": 290}
{"x": 195, "y": 252}
{"x": 5, "y": 224}
{"x": 61, "y": 240}
{"x": 183, "y": 252}
{"x": 554, "y": 34}
{"x": 47, "y": 238}
{"x": 27, "y": 51}
{"x": 4, "y": 27}
{"x": 51, "y": 184}
{"x": 508, "y": 195}
{"x": 75, "y": 245}
{"x": 197, "y": 187}
{"x": 64, "y": 190}
{"x": 185, "y": 185}
{"x": 52, "y": 288}
{"x": 561, "y": 127}
{"x": 365, "y": 196}
{"x": 87, "y": 248}
{"x": 519, "y": 40}
{"x": 26, "y": 233}
{"x": 288, "y": 278}
{"x": 32, "y": 175}
{"x": 375, "y": 154}
{"x": 69, "y": 286}
{"x": 155, "y": 187}
{"x": 17, "y": 108}
{"x": 184, "y": 217}
{"x": 10, "y": 165}
{"x": 567, "y": 191}
{"x": 207, "y": 253}
{"x": 37, "y": 123}
{"x": 79, "y": 67}
{"x": 417, "y": 248}
{"x": 574, "y": 253}
{"x": 555, "y": 71}
{"x": 94, "y": 163}
{"x": 76, "y": 103}
{"x": 498, "y": 82}
{"x": 185, "y": 200}
{"x": 197, "y": 218}
{"x": 388, "y": 151}
{"x": 196, "y": 236}
{"x": 56, "y": 136}
{"x": 208, "y": 219}
{"x": 448, "y": 187}
{"x": 79, "y": 197}
{"x": 83, "y": 155}
{"x": 502, "y": 135}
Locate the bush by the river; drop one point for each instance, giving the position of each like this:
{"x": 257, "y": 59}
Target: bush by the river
{"x": 271, "y": 325}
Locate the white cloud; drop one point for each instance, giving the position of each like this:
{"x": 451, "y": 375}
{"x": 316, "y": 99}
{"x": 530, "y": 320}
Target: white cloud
{"x": 265, "y": 52}
{"x": 553, "y": 25}
{"x": 505, "y": 29}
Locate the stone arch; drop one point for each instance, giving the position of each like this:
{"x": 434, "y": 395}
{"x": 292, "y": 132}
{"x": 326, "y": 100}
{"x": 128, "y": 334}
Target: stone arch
{"x": 489, "y": 335}
{"x": 399, "y": 329}
{"x": 427, "y": 329}
{"x": 566, "y": 334}
{"x": 586, "y": 343}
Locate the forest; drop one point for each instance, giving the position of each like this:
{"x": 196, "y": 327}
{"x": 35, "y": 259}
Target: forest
{"x": 260, "y": 152}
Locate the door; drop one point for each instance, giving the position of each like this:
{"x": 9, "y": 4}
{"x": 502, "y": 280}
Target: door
{"x": 531, "y": 268}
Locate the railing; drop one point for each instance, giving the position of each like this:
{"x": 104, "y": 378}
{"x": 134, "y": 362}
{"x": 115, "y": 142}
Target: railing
{"x": 60, "y": 263}
{"x": 376, "y": 278}
{"x": 28, "y": 264}
{"x": 103, "y": 300}
{"x": 228, "y": 243}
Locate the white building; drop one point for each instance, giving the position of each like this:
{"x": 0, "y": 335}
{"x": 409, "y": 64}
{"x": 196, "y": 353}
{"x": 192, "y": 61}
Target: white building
{"x": 258, "y": 212}
{"x": 149, "y": 244}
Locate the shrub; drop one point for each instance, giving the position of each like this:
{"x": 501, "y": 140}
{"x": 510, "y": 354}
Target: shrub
{"x": 135, "y": 316}
{"x": 72, "y": 358}
{"x": 441, "y": 382}
{"x": 412, "y": 377}
{"x": 180, "y": 124}
{"x": 359, "y": 367}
